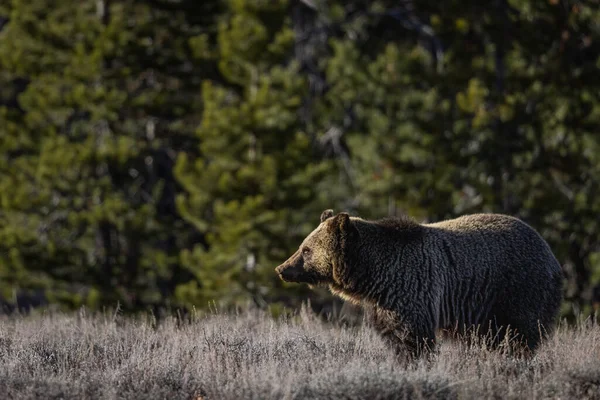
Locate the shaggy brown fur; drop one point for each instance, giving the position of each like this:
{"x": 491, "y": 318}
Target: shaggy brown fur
{"x": 490, "y": 272}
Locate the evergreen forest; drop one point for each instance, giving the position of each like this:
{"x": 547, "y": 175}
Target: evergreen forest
{"x": 169, "y": 154}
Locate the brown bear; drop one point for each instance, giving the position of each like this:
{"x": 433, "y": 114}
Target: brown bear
{"x": 490, "y": 272}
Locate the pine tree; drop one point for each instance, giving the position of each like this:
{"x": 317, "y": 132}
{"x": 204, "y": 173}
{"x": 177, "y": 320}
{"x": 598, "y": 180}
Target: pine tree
{"x": 106, "y": 99}
{"x": 253, "y": 191}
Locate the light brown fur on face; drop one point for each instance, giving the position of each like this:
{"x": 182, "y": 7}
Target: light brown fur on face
{"x": 317, "y": 249}
{"x": 310, "y": 263}
{"x": 319, "y": 253}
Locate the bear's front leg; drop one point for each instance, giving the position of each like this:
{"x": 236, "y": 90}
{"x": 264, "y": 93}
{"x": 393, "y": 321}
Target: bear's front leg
{"x": 404, "y": 332}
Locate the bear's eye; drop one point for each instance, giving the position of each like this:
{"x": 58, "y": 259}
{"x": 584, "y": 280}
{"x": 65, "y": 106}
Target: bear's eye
{"x": 306, "y": 251}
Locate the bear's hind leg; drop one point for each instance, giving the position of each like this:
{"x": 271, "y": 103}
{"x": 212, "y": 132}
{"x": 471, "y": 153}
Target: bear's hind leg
{"x": 513, "y": 335}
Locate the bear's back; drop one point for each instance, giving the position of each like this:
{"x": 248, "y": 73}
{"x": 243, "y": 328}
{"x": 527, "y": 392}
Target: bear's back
{"x": 485, "y": 222}
{"x": 500, "y": 239}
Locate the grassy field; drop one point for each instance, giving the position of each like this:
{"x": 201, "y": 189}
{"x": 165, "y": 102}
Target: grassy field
{"x": 252, "y": 356}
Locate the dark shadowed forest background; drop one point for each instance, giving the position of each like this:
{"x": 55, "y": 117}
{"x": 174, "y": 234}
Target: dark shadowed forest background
{"x": 163, "y": 154}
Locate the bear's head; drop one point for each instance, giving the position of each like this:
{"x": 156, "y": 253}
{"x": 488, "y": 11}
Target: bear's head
{"x": 321, "y": 257}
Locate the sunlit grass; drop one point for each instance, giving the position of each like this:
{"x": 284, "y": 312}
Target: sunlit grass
{"x": 250, "y": 355}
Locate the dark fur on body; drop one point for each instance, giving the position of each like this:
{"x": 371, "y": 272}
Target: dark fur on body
{"x": 485, "y": 271}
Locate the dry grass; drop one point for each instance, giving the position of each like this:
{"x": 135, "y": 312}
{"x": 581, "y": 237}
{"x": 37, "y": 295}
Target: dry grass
{"x": 250, "y": 355}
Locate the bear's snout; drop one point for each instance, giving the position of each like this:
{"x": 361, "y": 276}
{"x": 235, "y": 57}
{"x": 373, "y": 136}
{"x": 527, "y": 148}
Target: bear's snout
{"x": 293, "y": 269}
{"x": 290, "y": 274}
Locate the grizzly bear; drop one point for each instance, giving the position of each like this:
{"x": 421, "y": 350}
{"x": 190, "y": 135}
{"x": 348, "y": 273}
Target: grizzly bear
{"x": 490, "y": 273}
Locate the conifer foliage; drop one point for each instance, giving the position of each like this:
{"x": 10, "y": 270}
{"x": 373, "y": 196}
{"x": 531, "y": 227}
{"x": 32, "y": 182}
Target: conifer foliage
{"x": 160, "y": 153}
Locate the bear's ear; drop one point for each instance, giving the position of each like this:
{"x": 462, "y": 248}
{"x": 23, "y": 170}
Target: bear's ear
{"x": 326, "y": 215}
{"x": 342, "y": 224}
